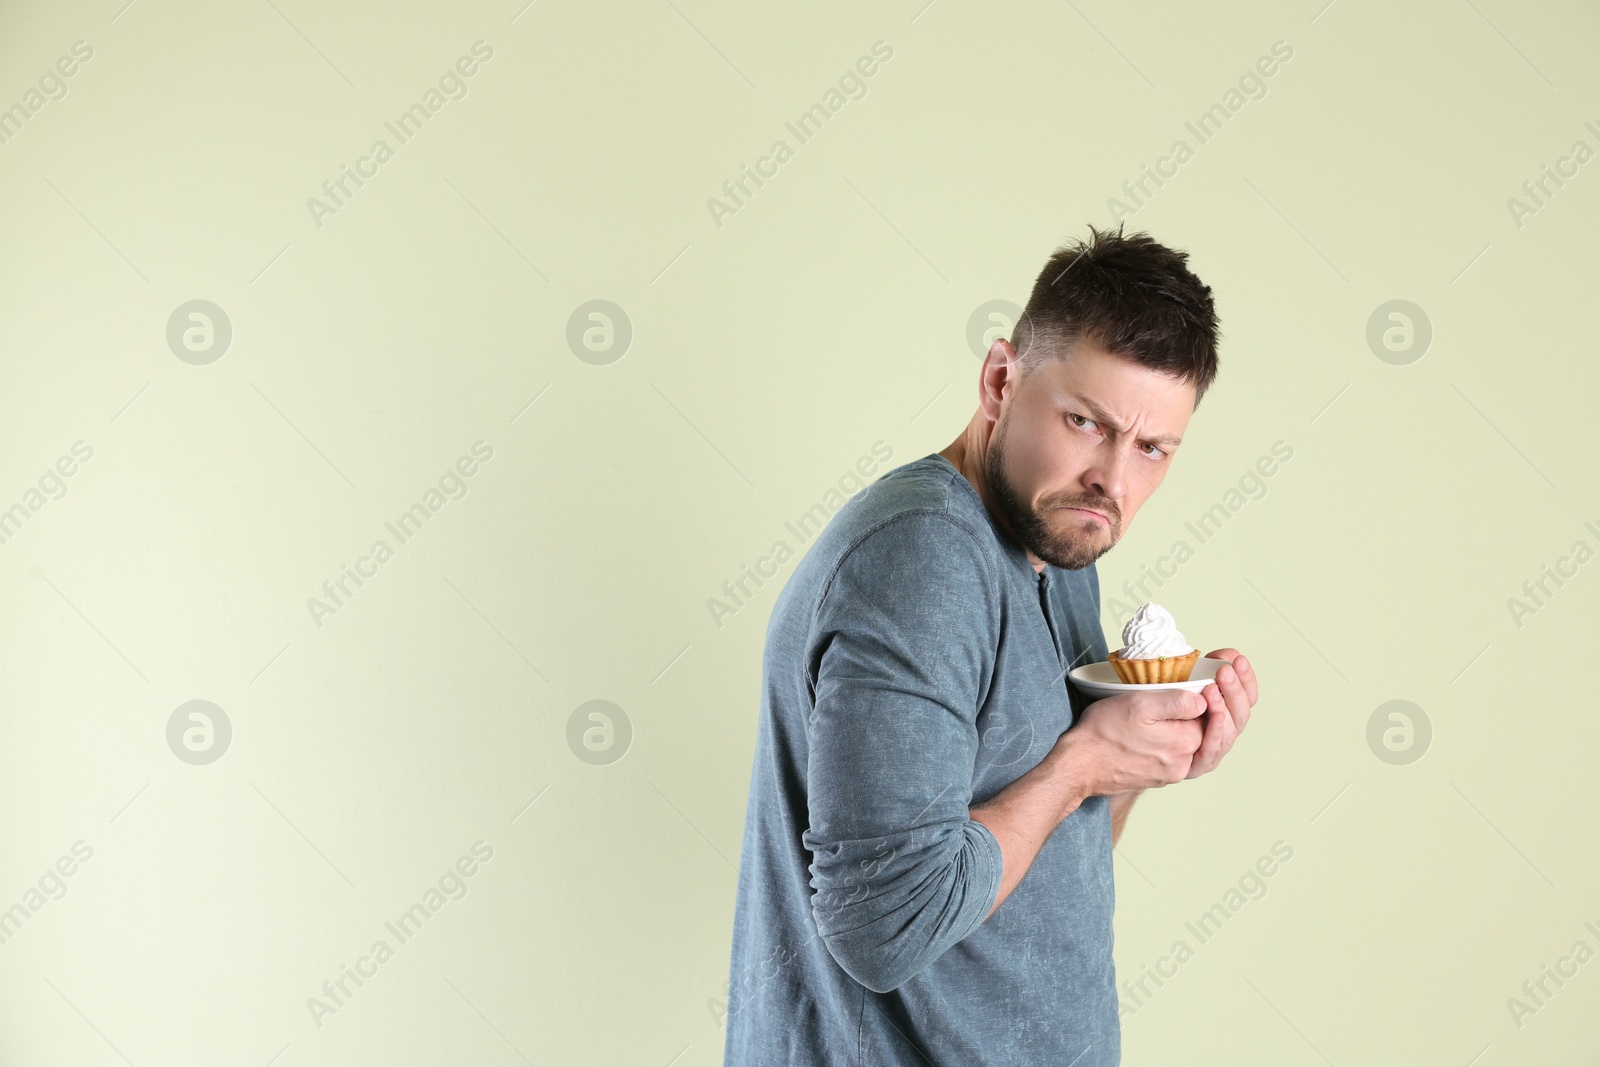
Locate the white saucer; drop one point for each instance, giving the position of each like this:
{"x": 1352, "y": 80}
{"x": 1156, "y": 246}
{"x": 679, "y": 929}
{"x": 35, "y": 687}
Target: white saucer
{"x": 1099, "y": 680}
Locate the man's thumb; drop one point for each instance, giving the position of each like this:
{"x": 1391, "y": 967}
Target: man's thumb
{"x": 1181, "y": 704}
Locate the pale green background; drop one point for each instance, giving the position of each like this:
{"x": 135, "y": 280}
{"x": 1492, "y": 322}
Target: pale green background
{"x": 768, "y": 355}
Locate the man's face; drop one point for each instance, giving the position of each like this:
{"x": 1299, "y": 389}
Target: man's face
{"x": 1089, "y": 431}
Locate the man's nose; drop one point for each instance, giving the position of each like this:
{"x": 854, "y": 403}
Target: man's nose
{"x": 1109, "y": 473}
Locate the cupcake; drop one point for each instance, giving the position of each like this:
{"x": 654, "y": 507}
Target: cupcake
{"x": 1154, "y": 651}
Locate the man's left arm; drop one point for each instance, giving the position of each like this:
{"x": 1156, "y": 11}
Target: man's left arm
{"x": 1229, "y": 700}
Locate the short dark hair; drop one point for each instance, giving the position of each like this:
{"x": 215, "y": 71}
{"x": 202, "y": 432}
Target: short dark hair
{"x": 1130, "y": 295}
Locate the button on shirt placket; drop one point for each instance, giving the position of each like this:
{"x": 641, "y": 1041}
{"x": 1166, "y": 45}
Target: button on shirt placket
{"x": 1044, "y": 606}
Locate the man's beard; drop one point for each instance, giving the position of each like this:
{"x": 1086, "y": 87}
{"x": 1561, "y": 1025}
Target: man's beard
{"x": 1073, "y": 550}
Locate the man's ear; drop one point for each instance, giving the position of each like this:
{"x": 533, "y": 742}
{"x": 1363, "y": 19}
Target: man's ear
{"x": 1000, "y": 370}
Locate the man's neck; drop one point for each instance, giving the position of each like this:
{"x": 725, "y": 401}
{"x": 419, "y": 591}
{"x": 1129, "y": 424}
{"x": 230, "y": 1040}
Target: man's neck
{"x": 967, "y": 454}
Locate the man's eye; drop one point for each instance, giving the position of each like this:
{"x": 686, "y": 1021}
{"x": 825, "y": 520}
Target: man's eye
{"x": 1158, "y": 451}
{"x": 1076, "y": 416}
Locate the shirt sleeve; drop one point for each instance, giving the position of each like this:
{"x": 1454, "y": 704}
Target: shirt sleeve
{"x": 903, "y": 649}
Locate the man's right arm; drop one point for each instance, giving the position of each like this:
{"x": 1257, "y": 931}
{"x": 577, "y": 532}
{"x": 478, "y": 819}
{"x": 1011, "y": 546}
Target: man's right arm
{"x": 1024, "y": 814}
{"x": 1122, "y": 744}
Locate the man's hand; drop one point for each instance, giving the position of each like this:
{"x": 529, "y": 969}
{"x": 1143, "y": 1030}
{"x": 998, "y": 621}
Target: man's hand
{"x": 1132, "y": 741}
{"x": 1228, "y": 703}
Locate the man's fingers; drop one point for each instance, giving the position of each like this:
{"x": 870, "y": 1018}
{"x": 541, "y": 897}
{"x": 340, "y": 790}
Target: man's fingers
{"x": 1228, "y": 699}
{"x": 1247, "y": 678}
{"x": 1247, "y": 674}
{"x": 1227, "y": 720}
{"x": 1235, "y": 700}
{"x": 1210, "y": 750}
{"x": 1219, "y": 734}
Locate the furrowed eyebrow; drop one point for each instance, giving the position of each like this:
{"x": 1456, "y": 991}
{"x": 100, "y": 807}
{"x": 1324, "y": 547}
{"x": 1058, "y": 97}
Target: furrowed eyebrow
{"x": 1100, "y": 416}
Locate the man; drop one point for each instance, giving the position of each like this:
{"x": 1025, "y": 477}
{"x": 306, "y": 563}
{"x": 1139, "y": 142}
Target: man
{"x": 920, "y": 751}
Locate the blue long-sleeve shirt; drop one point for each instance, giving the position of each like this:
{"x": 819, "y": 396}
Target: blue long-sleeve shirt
{"x": 915, "y": 665}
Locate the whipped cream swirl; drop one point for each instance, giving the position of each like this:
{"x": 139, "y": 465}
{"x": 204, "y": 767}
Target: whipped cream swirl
{"x": 1152, "y": 633}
